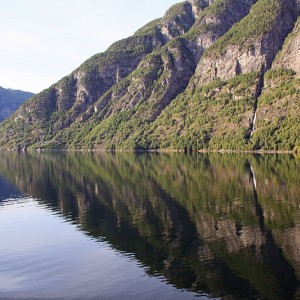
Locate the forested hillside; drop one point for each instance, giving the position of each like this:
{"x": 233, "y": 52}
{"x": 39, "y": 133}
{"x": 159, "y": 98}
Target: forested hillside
{"x": 214, "y": 75}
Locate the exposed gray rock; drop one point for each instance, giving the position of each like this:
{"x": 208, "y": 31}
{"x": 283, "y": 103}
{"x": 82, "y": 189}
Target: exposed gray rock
{"x": 177, "y": 21}
{"x": 256, "y": 54}
{"x": 289, "y": 56}
{"x": 199, "y": 5}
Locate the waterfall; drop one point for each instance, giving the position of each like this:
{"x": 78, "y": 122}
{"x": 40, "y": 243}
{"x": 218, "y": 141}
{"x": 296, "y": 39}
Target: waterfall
{"x": 118, "y": 75}
{"x": 253, "y": 124}
{"x": 259, "y": 89}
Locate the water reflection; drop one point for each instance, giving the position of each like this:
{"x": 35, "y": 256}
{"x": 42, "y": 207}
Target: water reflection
{"x": 8, "y": 190}
{"x": 225, "y": 225}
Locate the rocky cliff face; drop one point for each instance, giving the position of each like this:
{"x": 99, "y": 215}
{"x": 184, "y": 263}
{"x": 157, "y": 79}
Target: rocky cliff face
{"x": 131, "y": 95}
{"x": 288, "y": 57}
{"x": 251, "y": 45}
{"x": 278, "y": 105}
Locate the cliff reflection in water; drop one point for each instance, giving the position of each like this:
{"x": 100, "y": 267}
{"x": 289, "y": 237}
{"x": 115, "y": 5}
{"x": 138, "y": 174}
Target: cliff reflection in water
{"x": 226, "y": 225}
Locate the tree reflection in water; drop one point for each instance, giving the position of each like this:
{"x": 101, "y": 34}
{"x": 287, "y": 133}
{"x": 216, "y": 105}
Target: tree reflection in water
{"x": 223, "y": 224}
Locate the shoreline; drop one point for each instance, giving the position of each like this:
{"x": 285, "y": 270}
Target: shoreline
{"x": 155, "y": 151}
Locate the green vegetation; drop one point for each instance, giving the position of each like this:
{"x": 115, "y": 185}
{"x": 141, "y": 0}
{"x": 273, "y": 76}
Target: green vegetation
{"x": 215, "y": 116}
{"x": 149, "y": 29}
{"x": 120, "y": 52}
{"x": 175, "y": 10}
{"x": 278, "y": 124}
{"x": 191, "y": 122}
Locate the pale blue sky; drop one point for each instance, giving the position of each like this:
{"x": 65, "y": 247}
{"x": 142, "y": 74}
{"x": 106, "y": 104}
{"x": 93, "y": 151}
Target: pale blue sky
{"x": 43, "y": 40}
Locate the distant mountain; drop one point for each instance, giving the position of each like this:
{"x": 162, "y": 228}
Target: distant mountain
{"x": 210, "y": 74}
{"x": 10, "y": 101}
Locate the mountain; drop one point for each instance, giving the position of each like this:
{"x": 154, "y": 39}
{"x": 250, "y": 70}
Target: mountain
{"x": 210, "y": 74}
{"x": 10, "y": 100}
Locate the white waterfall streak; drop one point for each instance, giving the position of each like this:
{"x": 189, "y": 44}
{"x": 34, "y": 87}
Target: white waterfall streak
{"x": 253, "y": 125}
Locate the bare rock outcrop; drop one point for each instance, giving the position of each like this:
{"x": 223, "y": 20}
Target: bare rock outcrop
{"x": 245, "y": 47}
{"x": 289, "y": 57}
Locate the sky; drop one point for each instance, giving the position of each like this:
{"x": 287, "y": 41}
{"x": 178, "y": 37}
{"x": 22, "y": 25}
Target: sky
{"x": 42, "y": 41}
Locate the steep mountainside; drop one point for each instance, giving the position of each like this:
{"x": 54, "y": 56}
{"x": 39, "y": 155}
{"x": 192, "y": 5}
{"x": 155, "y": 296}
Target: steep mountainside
{"x": 10, "y": 100}
{"x": 210, "y": 74}
{"x": 278, "y": 118}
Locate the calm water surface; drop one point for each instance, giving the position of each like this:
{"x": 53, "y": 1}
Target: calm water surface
{"x": 149, "y": 226}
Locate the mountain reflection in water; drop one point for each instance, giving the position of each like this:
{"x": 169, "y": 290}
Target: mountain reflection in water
{"x": 225, "y": 225}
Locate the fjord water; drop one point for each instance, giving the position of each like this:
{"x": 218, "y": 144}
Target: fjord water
{"x": 146, "y": 226}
